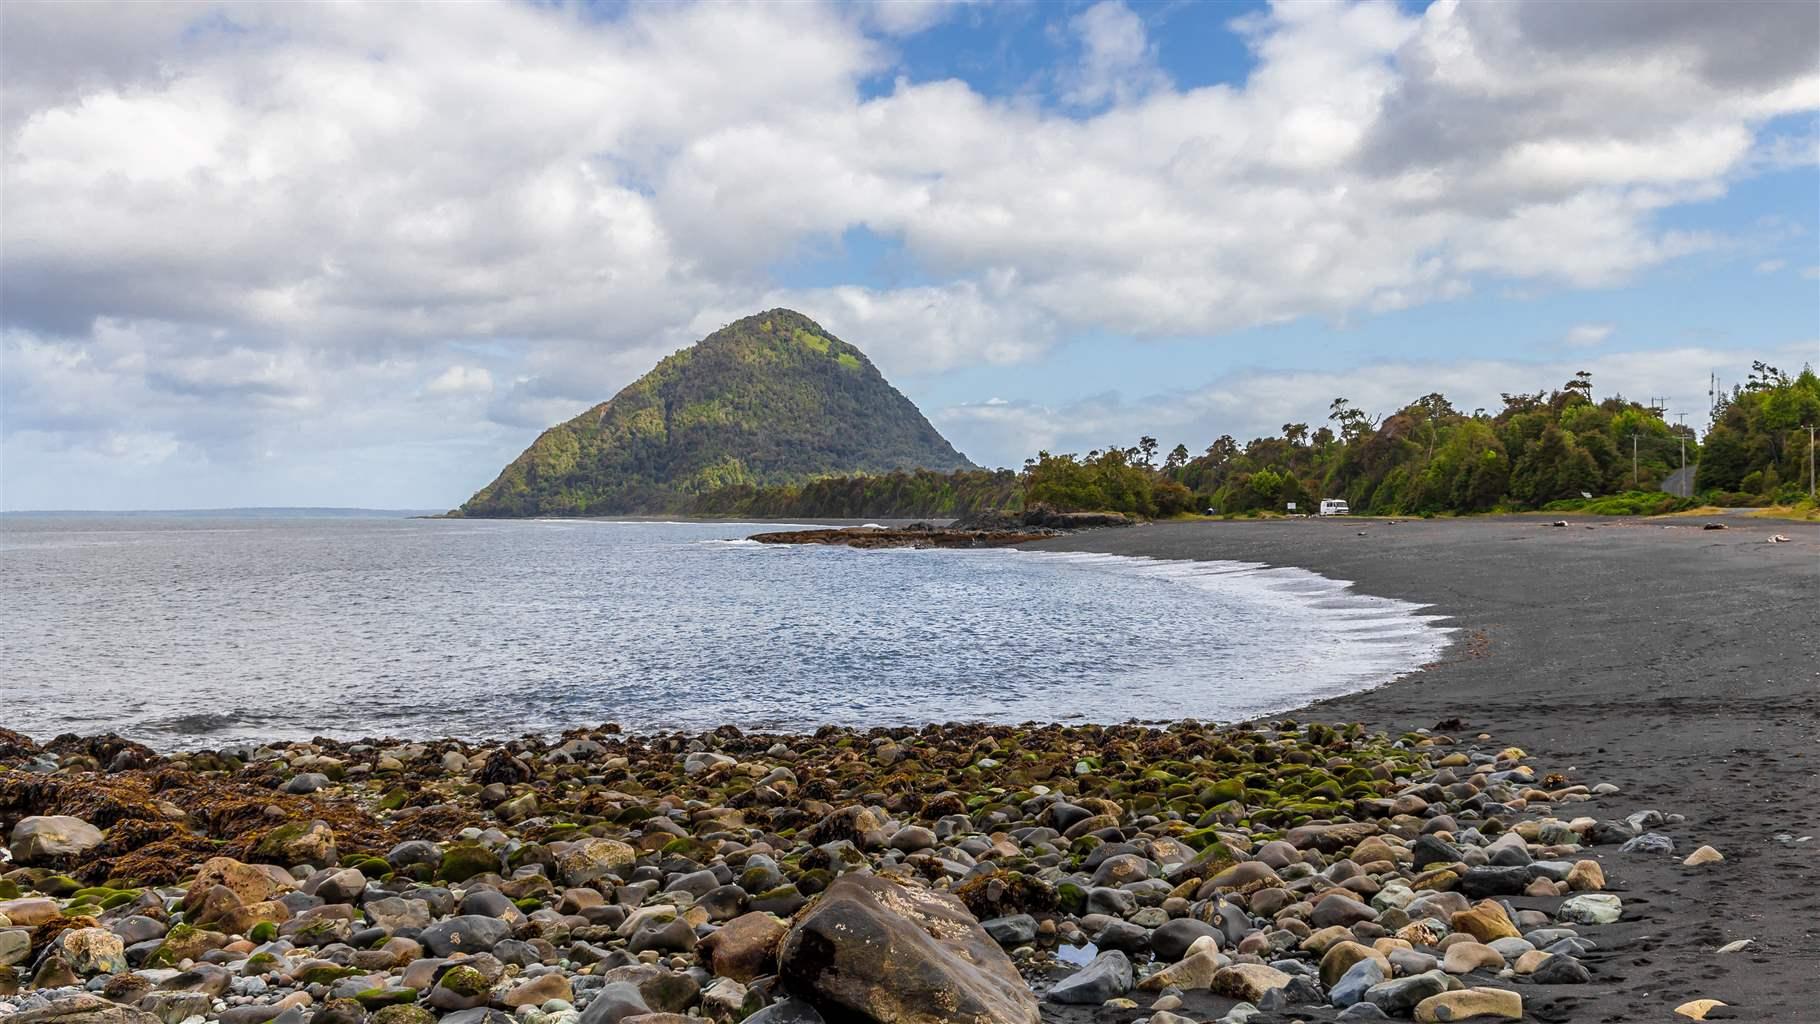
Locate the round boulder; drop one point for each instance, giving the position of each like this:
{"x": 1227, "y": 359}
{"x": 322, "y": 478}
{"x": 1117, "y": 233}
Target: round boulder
{"x": 872, "y": 949}
{"x": 52, "y": 839}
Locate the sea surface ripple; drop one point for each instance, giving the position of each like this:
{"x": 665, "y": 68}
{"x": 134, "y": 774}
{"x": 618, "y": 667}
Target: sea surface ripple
{"x": 185, "y": 632}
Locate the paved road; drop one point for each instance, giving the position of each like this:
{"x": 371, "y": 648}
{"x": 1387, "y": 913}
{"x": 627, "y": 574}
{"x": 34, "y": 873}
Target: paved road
{"x": 1680, "y": 483}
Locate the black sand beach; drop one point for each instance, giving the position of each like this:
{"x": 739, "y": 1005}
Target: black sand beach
{"x": 1679, "y": 663}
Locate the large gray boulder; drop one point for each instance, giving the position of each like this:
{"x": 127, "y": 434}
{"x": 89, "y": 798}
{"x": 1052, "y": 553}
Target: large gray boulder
{"x": 872, "y": 949}
{"x": 1398, "y": 997}
{"x": 1171, "y": 939}
{"x": 615, "y": 1002}
{"x": 467, "y": 934}
{"x": 1108, "y": 976}
{"x": 52, "y": 839}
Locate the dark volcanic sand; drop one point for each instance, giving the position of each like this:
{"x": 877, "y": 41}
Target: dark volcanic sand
{"x": 1681, "y": 664}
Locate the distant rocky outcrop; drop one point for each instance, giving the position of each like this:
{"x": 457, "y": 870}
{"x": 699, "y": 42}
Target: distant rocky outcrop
{"x": 768, "y": 400}
{"x": 917, "y": 535}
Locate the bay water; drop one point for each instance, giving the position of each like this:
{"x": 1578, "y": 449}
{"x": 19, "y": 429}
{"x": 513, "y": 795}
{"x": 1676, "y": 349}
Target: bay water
{"x": 188, "y": 631}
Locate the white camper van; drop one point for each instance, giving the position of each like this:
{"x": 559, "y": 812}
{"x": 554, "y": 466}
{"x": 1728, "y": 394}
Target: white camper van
{"x": 1334, "y": 507}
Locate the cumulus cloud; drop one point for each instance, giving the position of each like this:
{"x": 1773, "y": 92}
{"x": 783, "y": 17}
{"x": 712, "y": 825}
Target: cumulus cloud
{"x": 908, "y": 17}
{"x": 929, "y": 329}
{"x": 235, "y": 218}
{"x": 1117, "y": 62}
{"x": 1587, "y": 335}
{"x": 460, "y": 380}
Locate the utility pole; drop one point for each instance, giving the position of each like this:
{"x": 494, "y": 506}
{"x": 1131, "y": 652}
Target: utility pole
{"x": 1681, "y": 421}
{"x": 1810, "y": 462}
{"x": 1634, "y": 484}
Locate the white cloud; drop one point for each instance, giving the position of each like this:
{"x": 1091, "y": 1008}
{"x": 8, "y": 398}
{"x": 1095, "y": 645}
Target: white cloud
{"x": 219, "y": 219}
{"x": 1117, "y": 63}
{"x": 461, "y": 380}
{"x": 1771, "y": 266}
{"x": 922, "y": 330}
{"x": 908, "y": 17}
{"x": 1587, "y": 335}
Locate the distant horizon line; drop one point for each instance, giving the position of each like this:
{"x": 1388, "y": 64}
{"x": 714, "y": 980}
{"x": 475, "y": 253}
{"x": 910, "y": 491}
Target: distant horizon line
{"x": 220, "y": 510}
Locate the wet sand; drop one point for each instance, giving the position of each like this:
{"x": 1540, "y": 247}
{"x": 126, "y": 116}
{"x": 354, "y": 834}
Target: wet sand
{"x": 1678, "y": 663}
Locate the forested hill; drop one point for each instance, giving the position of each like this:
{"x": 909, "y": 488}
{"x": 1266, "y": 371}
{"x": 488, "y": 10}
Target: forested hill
{"x": 770, "y": 400}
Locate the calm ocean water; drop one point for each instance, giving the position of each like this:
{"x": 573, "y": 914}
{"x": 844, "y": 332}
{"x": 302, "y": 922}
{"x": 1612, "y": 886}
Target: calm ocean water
{"x": 202, "y": 631}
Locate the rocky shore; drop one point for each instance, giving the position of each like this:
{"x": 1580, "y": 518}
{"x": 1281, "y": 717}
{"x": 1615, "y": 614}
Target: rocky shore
{"x": 996, "y": 875}
{"x": 992, "y": 529}
{"x": 917, "y": 535}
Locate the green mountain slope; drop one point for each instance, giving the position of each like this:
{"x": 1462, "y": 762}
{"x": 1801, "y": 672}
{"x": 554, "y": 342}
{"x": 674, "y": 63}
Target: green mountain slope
{"x": 767, "y": 400}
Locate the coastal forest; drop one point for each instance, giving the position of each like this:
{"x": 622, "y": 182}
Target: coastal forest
{"x": 1543, "y": 450}
{"x": 1554, "y": 450}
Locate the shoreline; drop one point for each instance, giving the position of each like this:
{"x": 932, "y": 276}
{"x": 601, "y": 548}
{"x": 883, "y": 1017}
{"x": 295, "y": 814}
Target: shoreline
{"x": 1681, "y": 664}
{"x": 1519, "y": 668}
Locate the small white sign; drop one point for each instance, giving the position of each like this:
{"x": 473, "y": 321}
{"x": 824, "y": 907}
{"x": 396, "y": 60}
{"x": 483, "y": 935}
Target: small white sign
{"x": 1292, "y": 506}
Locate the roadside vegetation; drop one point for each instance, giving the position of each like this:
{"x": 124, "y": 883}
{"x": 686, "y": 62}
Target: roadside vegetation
{"x": 1756, "y": 452}
{"x": 1805, "y": 511}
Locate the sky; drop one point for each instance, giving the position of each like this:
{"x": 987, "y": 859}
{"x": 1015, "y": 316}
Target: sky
{"x": 361, "y": 254}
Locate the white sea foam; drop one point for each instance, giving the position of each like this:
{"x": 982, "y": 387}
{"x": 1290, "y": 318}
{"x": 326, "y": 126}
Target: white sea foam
{"x": 1374, "y": 640}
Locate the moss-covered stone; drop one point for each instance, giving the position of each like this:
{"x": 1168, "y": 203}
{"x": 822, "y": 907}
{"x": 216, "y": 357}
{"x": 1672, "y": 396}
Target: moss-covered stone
{"x": 372, "y": 867}
{"x": 59, "y": 886}
{"x": 1221, "y": 791}
{"x": 691, "y": 848}
{"x": 465, "y": 860}
{"x": 323, "y": 973}
{"x": 379, "y": 998}
{"x": 297, "y": 842}
{"x": 1004, "y": 892}
{"x": 402, "y": 1015}
{"x": 184, "y": 942}
{"x": 464, "y": 981}
{"x": 318, "y": 933}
